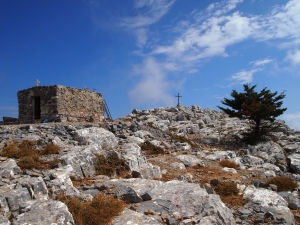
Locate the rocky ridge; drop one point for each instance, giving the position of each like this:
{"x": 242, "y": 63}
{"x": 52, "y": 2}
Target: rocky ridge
{"x": 171, "y": 188}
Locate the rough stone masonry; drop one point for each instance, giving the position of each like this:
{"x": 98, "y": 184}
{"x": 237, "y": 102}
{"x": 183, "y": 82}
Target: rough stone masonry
{"x": 59, "y": 103}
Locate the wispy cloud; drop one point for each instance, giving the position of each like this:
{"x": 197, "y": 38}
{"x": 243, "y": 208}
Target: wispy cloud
{"x": 154, "y": 86}
{"x": 261, "y": 62}
{"x": 141, "y": 37}
{"x": 150, "y": 11}
{"x": 216, "y": 29}
{"x": 206, "y": 34}
{"x": 243, "y": 77}
{"x": 292, "y": 119}
{"x": 294, "y": 56}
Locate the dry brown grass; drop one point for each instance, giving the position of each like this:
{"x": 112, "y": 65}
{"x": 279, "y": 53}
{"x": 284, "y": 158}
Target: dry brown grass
{"x": 174, "y": 129}
{"x": 183, "y": 139}
{"x": 282, "y": 183}
{"x": 226, "y": 188}
{"x": 151, "y": 149}
{"x": 100, "y": 211}
{"x": 28, "y": 156}
{"x": 110, "y": 165}
{"x": 50, "y": 148}
{"x": 296, "y": 212}
{"x": 18, "y": 150}
{"x": 234, "y": 200}
{"x": 82, "y": 182}
{"x": 229, "y": 164}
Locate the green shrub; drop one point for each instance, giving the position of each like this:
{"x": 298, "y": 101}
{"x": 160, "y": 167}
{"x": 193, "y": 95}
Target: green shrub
{"x": 151, "y": 149}
{"x": 282, "y": 183}
{"x": 229, "y": 164}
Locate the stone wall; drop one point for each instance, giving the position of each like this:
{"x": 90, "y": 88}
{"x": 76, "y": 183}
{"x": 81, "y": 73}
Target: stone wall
{"x": 59, "y": 103}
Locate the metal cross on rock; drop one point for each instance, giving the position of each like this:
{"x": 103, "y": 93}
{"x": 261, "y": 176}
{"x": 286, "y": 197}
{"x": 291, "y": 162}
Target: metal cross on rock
{"x": 178, "y": 96}
{"x": 37, "y": 82}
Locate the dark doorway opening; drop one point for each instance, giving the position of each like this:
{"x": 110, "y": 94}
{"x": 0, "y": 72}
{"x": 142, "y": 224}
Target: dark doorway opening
{"x": 37, "y": 108}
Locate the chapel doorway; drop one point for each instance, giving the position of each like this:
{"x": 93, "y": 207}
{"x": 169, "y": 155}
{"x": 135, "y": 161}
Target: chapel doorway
{"x": 37, "y": 107}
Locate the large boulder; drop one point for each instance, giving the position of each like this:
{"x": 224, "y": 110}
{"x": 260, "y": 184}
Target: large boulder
{"x": 271, "y": 203}
{"x": 44, "y": 213}
{"x": 131, "y": 217}
{"x": 82, "y": 160}
{"x": 178, "y": 200}
{"x": 96, "y": 135}
{"x": 295, "y": 162}
{"x": 190, "y": 160}
{"x": 138, "y": 163}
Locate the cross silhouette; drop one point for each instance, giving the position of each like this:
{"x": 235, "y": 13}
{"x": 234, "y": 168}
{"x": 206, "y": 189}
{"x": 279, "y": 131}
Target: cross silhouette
{"x": 37, "y": 82}
{"x": 178, "y": 96}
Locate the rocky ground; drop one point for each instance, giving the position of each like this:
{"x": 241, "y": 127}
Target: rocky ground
{"x": 176, "y": 185}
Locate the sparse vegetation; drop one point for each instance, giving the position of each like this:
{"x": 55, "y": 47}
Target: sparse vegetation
{"x": 100, "y": 211}
{"x": 28, "y": 156}
{"x": 50, "y": 148}
{"x": 174, "y": 129}
{"x": 151, "y": 149}
{"x": 282, "y": 183}
{"x": 183, "y": 139}
{"x": 226, "y": 188}
{"x": 229, "y": 164}
{"x": 110, "y": 165}
{"x": 150, "y": 124}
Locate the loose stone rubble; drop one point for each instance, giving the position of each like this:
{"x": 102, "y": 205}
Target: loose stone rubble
{"x": 186, "y": 197}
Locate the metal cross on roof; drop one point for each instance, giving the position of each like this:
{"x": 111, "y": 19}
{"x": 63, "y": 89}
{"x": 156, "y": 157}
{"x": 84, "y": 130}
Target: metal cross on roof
{"x": 178, "y": 96}
{"x": 37, "y": 82}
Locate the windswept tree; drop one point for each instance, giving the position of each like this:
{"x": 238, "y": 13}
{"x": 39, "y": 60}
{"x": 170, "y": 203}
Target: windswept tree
{"x": 260, "y": 107}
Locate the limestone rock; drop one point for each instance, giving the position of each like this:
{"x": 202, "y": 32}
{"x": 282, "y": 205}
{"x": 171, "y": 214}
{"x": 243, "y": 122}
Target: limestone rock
{"x": 137, "y": 162}
{"x": 44, "y": 213}
{"x": 190, "y": 160}
{"x": 131, "y": 217}
{"x": 82, "y": 160}
{"x": 181, "y": 199}
{"x": 95, "y": 135}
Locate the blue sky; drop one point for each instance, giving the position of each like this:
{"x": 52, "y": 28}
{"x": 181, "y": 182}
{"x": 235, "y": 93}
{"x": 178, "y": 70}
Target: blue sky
{"x": 140, "y": 54}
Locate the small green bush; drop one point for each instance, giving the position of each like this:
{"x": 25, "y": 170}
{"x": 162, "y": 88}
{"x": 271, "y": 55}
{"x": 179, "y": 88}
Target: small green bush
{"x": 229, "y": 164}
{"x": 151, "y": 149}
{"x": 282, "y": 183}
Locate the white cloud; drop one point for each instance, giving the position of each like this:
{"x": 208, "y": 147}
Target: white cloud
{"x": 294, "y": 56}
{"x": 282, "y": 23}
{"x": 153, "y": 87}
{"x": 292, "y": 120}
{"x": 141, "y": 36}
{"x": 152, "y": 11}
{"x": 208, "y": 39}
{"x": 243, "y": 77}
{"x": 261, "y": 62}
{"x": 215, "y": 29}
